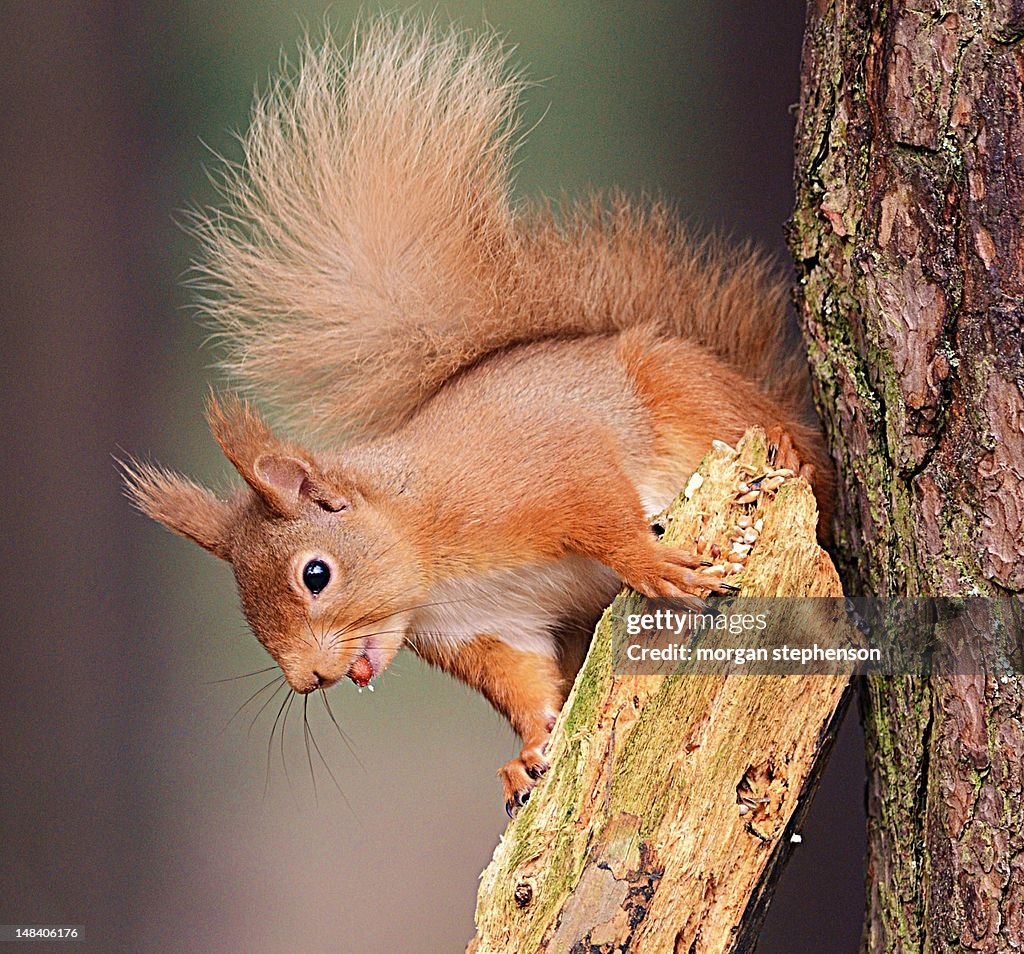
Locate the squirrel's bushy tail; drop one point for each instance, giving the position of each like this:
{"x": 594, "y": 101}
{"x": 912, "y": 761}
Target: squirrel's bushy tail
{"x": 369, "y": 249}
{"x": 367, "y": 225}
{"x": 609, "y": 265}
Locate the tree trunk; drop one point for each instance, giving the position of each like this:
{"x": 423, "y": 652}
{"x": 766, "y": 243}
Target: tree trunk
{"x": 909, "y": 240}
{"x": 672, "y": 799}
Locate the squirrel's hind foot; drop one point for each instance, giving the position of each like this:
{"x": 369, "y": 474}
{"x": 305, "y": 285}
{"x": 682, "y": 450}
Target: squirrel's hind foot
{"x": 519, "y": 776}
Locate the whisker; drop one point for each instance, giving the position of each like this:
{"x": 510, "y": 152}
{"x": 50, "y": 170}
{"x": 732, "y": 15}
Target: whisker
{"x": 344, "y": 798}
{"x": 319, "y": 642}
{"x": 365, "y": 619}
{"x": 361, "y": 619}
{"x": 284, "y": 722}
{"x": 339, "y": 641}
{"x": 268, "y": 701}
{"x": 377, "y": 606}
{"x": 270, "y": 741}
{"x": 341, "y": 732}
{"x": 238, "y": 711}
{"x": 247, "y": 675}
{"x": 439, "y": 633}
{"x": 309, "y": 757}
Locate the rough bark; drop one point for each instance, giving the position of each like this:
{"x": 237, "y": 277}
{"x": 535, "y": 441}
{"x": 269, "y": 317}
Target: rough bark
{"x": 672, "y": 798}
{"x": 909, "y": 242}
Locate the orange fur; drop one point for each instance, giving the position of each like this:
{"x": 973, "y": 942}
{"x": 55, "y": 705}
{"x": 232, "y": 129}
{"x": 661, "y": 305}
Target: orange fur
{"x": 511, "y": 394}
{"x": 528, "y": 688}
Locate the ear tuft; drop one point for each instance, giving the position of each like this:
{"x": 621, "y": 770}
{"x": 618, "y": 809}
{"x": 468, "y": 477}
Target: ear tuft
{"x": 283, "y": 475}
{"x": 181, "y": 505}
{"x": 246, "y": 440}
{"x": 240, "y": 431}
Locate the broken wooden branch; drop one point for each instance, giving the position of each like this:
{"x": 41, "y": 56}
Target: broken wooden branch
{"x": 672, "y": 799}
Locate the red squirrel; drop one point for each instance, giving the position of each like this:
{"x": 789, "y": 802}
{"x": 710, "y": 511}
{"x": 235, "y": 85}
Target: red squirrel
{"x": 503, "y": 396}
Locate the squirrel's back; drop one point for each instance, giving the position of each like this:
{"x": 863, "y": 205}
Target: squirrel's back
{"x": 370, "y": 250}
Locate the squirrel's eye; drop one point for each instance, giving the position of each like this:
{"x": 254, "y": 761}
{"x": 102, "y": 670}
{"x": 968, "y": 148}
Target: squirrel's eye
{"x": 316, "y": 575}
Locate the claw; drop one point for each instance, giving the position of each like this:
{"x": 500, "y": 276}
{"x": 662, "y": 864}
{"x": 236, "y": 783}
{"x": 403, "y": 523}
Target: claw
{"x": 537, "y": 771}
{"x": 516, "y": 802}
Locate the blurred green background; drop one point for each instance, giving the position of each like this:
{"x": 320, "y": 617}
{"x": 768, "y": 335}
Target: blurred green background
{"x": 129, "y": 803}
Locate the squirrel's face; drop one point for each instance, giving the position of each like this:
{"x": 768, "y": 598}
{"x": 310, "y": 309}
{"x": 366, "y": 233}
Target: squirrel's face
{"x": 329, "y": 594}
{"x": 327, "y": 585}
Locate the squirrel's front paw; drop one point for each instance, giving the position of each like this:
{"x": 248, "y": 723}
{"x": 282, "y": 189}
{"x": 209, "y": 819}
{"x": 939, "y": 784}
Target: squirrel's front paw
{"x": 518, "y": 776}
{"x": 782, "y": 453}
{"x": 673, "y": 576}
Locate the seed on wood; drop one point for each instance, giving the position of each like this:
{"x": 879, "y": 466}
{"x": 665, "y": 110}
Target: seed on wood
{"x": 748, "y": 497}
{"x": 722, "y": 446}
{"x": 773, "y": 483}
{"x": 759, "y": 525}
{"x": 750, "y": 536}
{"x": 743, "y": 522}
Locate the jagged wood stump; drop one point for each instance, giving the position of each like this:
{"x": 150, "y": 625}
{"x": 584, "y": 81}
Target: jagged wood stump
{"x": 671, "y": 800}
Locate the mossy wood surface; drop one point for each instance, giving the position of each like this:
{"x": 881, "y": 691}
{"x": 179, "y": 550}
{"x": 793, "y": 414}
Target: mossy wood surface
{"x": 909, "y": 239}
{"x": 637, "y": 839}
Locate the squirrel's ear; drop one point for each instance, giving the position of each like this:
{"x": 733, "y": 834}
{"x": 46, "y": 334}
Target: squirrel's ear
{"x": 277, "y": 472}
{"x": 282, "y": 481}
{"x": 293, "y": 480}
{"x": 181, "y": 505}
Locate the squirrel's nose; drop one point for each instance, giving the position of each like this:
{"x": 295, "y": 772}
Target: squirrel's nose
{"x": 315, "y": 681}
